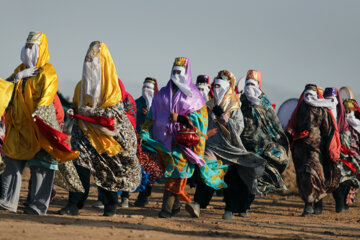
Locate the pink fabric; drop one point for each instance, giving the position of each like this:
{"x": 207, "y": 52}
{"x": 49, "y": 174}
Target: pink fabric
{"x": 342, "y": 124}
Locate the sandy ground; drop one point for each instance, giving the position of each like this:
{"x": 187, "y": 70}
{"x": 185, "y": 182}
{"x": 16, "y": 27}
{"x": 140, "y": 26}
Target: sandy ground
{"x": 276, "y": 216}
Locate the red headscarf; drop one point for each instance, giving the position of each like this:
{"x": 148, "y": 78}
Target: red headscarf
{"x": 129, "y": 104}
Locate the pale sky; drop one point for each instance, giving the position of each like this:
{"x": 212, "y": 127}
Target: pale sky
{"x": 291, "y": 42}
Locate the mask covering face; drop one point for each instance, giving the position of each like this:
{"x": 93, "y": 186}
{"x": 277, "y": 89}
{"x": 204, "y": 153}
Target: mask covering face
{"x": 204, "y": 89}
{"x": 353, "y": 121}
{"x": 219, "y": 92}
{"x": 179, "y": 78}
{"x": 148, "y": 94}
{"x": 29, "y": 56}
{"x": 333, "y": 107}
{"x": 311, "y": 98}
{"x": 252, "y": 92}
{"x": 92, "y": 80}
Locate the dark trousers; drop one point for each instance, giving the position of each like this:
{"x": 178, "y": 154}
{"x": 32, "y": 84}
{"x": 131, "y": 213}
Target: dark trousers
{"x": 203, "y": 194}
{"x": 237, "y": 195}
{"x": 78, "y": 199}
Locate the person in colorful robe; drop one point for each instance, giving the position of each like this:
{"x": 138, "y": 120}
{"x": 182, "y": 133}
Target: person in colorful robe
{"x": 102, "y": 133}
{"x": 224, "y": 144}
{"x": 177, "y": 108}
{"x": 347, "y": 163}
{"x": 263, "y": 133}
{"x": 316, "y": 147}
{"x": 149, "y": 159}
{"x": 35, "y": 86}
{"x": 204, "y": 85}
{"x": 143, "y": 103}
{"x": 353, "y": 118}
{"x": 130, "y": 111}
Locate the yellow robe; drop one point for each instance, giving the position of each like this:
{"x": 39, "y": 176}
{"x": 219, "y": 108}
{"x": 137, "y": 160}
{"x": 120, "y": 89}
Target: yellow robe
{"x": 110, "y": 96}
{"x": 22, "y": 137}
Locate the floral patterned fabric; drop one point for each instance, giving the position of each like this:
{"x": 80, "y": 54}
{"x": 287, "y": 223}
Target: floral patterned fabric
{"x": 175, "y": 163}
{"x": 120, "y": 172}
{"x": 264, "y": 136}
{"x": 348, "y": 164}
{"x": 151, "y": 163}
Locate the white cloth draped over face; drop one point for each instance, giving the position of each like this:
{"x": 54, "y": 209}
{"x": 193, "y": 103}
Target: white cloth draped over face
{"x": 252, "y": 92}
{"x": 333, "y": 107}
{"x": 204, "y": 90}
{"x": 219, "y": 92}
{"x": 148, "y": 93}
{"x": 311, "y": 98}
{"x": 180, "y": 80}
{"x": 29, "y": 56}
{"x": 353, "y": 121}
{"x": 91, "y": 81}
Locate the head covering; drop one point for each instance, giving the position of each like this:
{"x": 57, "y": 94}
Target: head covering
{"x": 334, "y": 147}
{"x": 204, "y": 85}
{"x": 254, "y": 75}
{"x": 102, "y": 91}
{"x": 38, "y": 55}
{"x": 351, "y": 105}
{"x": 253, "y": 92}
{"x": 149, "y": 89}
{"x": 181, "y": 79}
{"x": 129, "y": 104}
{"x": 165, "y": 103}
{"x": 338, "y": 110}
{"x": 353, "y": 114}
{"x": 292, "y": 121}
{"x": 99, "y": 84}
{"x": 321, "y": 90}
{"x": 225, "y": 94}
{"x": 313, "y": 97}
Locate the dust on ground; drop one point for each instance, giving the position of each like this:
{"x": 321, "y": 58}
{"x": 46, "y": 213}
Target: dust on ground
{"x": 275, "y": 216}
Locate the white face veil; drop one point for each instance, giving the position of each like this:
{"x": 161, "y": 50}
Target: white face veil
{"x": 92, "y": 80}
{"x": 30, "y": 56}
{"x": 311, "y": 98}
{"x": 333, "y": 107}
{"x": 148, "y": 93}
{"x": 204, "y": 90}
{"x": 219, "y": 92}
{"x": 181, "y": 80}
{"x": 353, "y": 121}
{"x": 252, "y": 92}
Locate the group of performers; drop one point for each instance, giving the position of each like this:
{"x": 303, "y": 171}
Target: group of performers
{"x": 214, "y": 134}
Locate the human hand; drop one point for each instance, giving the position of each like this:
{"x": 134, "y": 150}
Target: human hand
{"x": 173, "y": 117}
{"x": 29, "y": 72}
{"x": 70, "y": 113}
{"x": 145, "y": 110}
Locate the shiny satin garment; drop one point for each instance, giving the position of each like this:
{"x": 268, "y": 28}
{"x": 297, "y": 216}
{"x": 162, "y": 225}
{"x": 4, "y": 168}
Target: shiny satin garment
{"x": 21, "y": 140}
{"x": 6, "y": 89}
{"x": 22, "y": 137}
{"x": 110, "y": 96}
